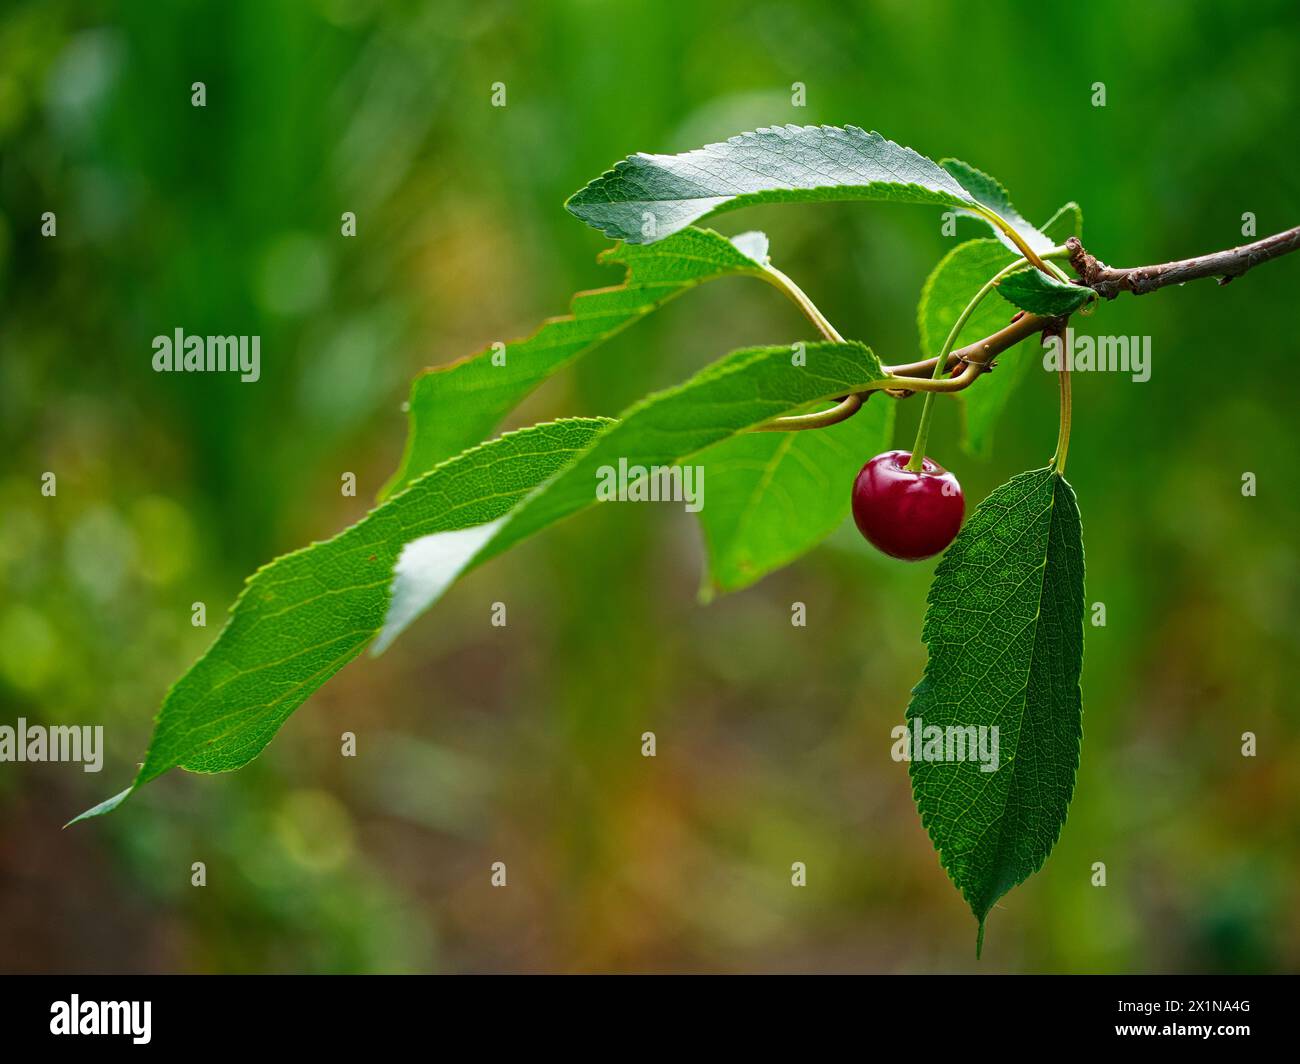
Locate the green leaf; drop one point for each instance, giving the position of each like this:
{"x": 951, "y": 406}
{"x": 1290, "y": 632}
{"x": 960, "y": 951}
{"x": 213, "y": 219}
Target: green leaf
{"x": 452, "y": 407}
{"x": 649, "y": 197}
{"x": 951, "y": 285}
{"x": 773, "y": 496}
{"x": 1004, "y": 628}
{"x": 304, "y": 616}
{"x": 1034, "y": 291}
{"x": 742, "y": 390}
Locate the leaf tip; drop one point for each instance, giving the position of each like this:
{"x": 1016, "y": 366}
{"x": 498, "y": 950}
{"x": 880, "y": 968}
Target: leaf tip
{"x": 106, "y": 806}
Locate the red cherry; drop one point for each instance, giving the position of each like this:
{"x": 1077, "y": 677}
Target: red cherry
{"x": 907, "y": 515}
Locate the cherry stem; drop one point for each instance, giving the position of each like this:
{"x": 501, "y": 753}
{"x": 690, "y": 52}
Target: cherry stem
{"x": 917, "y": 461}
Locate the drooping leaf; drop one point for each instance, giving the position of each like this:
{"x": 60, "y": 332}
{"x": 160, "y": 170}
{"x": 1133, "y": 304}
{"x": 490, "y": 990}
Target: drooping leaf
{"x": 304, "y": 616}
{"x": 1034, "y": 291}
{"x": 740, "y": 391}
{"x": 1004, "y": 628}
{"x": 649, "y": 197}
{"x": 951, "y": 285}
{"x": 773, "y": 496}
{"x": 453, "y": 407}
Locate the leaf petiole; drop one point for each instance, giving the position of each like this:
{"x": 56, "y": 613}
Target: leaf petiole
{"x": 820, "y": 419}
{"x": 780, "y": 281}
{"x": 1063, "y": 434}
{"x": 1000, "y": 223}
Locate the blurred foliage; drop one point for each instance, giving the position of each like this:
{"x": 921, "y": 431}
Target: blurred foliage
{"x": 522, "y": 744}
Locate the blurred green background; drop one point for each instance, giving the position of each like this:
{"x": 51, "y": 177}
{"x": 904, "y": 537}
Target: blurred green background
{"x": 522, "y": 744}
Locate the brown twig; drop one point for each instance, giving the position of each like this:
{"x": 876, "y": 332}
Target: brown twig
{"x": 981, "y": 352}
{"x": 1110, "y": 281}
{"x": 977, "y": 358}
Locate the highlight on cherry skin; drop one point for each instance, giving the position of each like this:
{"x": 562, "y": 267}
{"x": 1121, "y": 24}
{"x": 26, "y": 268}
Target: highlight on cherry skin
{"x": 906, "y": 514}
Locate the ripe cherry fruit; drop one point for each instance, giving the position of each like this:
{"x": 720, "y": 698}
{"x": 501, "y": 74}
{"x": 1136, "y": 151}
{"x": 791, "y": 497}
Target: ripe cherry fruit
{"x": 909, "y": 515}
